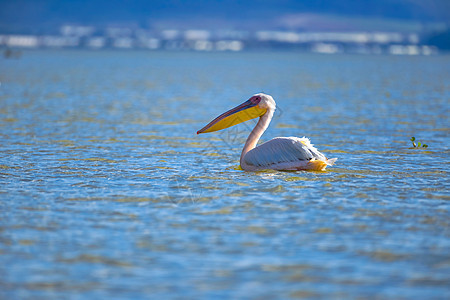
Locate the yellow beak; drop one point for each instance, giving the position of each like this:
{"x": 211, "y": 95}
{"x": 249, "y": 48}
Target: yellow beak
{"x": 241, "y": 113}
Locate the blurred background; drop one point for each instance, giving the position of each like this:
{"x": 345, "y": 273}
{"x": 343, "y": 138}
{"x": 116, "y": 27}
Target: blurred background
{"x": 407, "y": 27}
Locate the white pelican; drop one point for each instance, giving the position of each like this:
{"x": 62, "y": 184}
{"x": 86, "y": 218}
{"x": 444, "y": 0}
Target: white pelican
{"x": 281, "y": 153}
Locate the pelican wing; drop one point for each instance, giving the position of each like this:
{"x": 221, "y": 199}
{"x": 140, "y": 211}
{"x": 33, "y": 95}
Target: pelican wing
{"x": 285, "y": 153}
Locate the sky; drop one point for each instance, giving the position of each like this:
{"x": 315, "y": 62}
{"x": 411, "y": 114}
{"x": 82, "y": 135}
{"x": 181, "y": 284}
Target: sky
{"x": 41, "y": 15}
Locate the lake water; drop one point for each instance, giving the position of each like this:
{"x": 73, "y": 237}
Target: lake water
{"x": 107, "y": 191}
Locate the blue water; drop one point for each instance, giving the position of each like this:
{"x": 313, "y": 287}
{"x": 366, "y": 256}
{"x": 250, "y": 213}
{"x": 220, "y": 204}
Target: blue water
{"x": 107, "y": 191}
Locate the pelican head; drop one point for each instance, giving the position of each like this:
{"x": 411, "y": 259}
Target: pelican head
{"x": 256, "y": 106}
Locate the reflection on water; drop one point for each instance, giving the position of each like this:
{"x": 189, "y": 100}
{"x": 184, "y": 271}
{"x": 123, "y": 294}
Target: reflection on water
{"x": 107, "y": 191}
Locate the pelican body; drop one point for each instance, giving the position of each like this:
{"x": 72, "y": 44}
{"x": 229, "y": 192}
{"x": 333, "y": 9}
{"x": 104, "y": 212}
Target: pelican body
{"x": 281, "y": 153}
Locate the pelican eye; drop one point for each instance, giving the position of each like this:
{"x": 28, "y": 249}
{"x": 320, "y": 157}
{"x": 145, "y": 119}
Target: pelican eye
{"x": 256, "y": 99}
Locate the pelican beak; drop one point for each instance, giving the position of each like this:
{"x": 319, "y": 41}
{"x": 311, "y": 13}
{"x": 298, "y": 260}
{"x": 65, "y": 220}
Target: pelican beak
{"x": 241, "y": 113}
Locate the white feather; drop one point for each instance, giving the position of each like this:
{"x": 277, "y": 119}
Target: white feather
{"x": 284, "y": 153}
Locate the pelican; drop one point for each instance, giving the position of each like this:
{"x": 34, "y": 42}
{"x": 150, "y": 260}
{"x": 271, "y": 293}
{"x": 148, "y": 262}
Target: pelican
{"x": 281, "y": 153}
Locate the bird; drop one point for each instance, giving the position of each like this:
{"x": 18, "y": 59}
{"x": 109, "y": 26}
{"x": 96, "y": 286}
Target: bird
{"x": 280, "y": 153}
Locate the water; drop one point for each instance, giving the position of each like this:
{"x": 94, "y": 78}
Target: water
{"x": 107, "y": 191}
